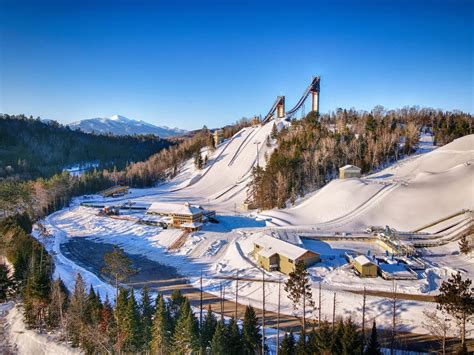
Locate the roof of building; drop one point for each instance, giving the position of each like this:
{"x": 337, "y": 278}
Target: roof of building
{"x": 173, "y": 208}
{"x": 273, "y": 245}
{"x": 363, "y": 260}
{"x": 350, "y": 167}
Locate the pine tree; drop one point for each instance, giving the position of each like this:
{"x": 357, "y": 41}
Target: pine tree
{"x": 456, "y": 297}
{"x": 464, "y": 247}
{"x": 351, "y": 339}
{"x": 323, "y": 339}
{"x": 119, "y": 314}
{"x": 219, "y": 340}
{"x": 336, "y": 345}
{"x": 162, "y": 330}
{"x": 301, "y": 344}
{"x": 131, "y": 326}
{"x": 250, "y": 332}
{"x": 186, "y": 332}
{"x": 146, "y": 312}
{"x": 6, "y": 283}
{"x": 299, "y": 291}
{"x": 76, "y": 313}
{"x": 93, "y": 308}
{"x": 287, "y": 346}
{"x": 234, "y": 338}
{"x": 207, "y": 329}
{"x": 274, "y": 131}
{"x": 373, "y": 347}
{"x": 176, "y": 301}
{"x": 118, "y": 266}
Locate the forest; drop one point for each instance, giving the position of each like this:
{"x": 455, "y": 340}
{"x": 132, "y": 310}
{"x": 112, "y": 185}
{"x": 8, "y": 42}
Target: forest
{"x": 310, "y": 151}
{"x": 31, "y": 148}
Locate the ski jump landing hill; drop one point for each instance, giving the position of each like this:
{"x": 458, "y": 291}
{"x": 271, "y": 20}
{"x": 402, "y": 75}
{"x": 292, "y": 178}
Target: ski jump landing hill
{"x": 411, "y": 193}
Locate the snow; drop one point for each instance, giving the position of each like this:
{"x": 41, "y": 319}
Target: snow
{"x": 273, "y": 245}
{"x": 28, "y": 341}
{"x": 406, "y": 195}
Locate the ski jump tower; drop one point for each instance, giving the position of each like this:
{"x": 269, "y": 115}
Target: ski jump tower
{"x": 279, "y": 105}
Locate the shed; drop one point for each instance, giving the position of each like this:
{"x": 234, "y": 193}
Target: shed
{"x": 349, "y": 171}
{"x": 365, "y": 267}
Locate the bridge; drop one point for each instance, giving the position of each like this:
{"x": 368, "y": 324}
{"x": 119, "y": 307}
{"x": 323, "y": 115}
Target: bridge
{"x": 278, "y": 107}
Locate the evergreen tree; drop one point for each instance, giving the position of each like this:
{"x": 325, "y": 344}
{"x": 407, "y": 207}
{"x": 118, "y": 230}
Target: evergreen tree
{"x": 76, "y": 313}
{"x": 323, "y": 339}
{"x": 219, "y": 340}
{"x": 119, "y": 314}
{"x": 234, "y": 338}
{"x": 351, "y": 339}
{"x": 186, "y": 332}
{"x": 6, "y": 283}
{"x": 146, "y": 312}
{"x": 207, "y": 329}
{"x": 131, "y": 326}
{"x": 118, "y": 266}
{"x": 176, "y": 301}
{"x": 336, "y": 346}
{"x": 287, "y": 346}
{"x": 373, "y": 347}
{"x": 456, "y": 297}
{"x": 162, "y": 328}
{"x": 312, "y": 343}
{"x": 274, "y": 131}
{"x": 250, "y": 332}
{"x": 93, "y": 308}
{"x": 301, "y": 347}
{"x": 299, "y": 291}
{"x": 464, "y": 247}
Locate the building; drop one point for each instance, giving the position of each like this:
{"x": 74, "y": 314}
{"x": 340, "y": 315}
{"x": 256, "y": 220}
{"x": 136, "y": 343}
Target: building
{"x": 365, "y": 267}
{"x": 349, "y": 171}
{"x": 274, "y": 254}
{"x": 184, "y": 215}
{"x": 115, "y": 191}
{"x": 218, "y": 135}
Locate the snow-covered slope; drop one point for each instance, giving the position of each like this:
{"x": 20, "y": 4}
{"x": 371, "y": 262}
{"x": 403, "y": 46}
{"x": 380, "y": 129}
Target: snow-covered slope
{"x": 120, "y": 125}
{"x": 407, "y": 195}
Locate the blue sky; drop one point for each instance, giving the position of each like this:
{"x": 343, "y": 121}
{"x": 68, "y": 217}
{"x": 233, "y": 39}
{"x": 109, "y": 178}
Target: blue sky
{"x": 189, "y": 63}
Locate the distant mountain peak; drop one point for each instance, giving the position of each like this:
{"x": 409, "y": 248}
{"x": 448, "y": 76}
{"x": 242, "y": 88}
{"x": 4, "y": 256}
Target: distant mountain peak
{"x": 120, "y": 125}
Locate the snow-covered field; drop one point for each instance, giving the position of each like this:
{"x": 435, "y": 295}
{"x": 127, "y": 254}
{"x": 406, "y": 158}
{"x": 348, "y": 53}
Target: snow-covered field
{"x": 406, "y": 195}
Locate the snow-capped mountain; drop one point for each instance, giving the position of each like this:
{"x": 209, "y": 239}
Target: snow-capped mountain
{"x": 120, "y": 126}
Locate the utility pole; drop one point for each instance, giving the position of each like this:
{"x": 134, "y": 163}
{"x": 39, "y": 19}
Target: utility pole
{"x": 222, "y": 305}
{"x": 319, "y": 307}
{"x": 334, "y": 313}
{"x": 278, "y": 317}
{"x": 200, "y": 301}
{"x": 263, "y": 314}
{"x": 236, "y": 295}
{"x": 363, "y": 317}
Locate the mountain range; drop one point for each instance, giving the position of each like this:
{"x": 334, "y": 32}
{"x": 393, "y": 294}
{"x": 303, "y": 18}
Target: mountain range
{"x": 121, "y": 126}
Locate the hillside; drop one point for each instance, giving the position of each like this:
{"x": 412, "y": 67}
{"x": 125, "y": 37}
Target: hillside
{"x": 407, "y": 195}
{"x": 31, "y": 148}
{"x": 122, "y": 126}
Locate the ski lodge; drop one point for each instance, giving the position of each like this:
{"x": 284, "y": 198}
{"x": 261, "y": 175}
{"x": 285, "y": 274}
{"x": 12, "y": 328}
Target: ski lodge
{"x": 349, "y": 171}
{"x": 274, "y": 254}
{"x": 365, "y": 267}
{"x": 184, "y": 216}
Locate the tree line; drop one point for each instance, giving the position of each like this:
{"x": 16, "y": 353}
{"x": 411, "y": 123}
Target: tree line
{"x": 31, "y": 148}
{"x": 311, "y": 150}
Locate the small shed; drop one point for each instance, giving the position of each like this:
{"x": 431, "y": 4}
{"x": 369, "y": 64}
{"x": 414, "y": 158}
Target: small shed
{"x": 349, "y": 171}
{"x": 365, "y": 267}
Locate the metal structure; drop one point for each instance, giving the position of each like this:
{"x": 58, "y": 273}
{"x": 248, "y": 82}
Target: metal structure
{"x": 279, "y": 105}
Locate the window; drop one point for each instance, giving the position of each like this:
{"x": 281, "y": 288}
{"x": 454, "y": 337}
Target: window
{"x": 290, "y": 261}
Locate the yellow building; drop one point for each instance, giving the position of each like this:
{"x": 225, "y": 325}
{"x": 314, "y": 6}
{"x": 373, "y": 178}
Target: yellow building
{"x": 365, "y": 267}
{"x": 349, "y": 171}
{"x": 274, "y": 254}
